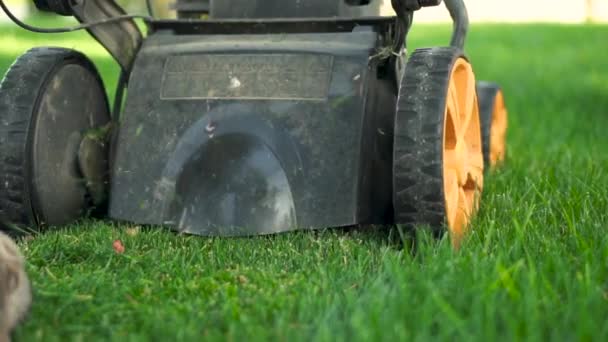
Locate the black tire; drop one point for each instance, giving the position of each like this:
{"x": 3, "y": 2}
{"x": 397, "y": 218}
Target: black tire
{"x": 486, "y": 92}
{"x": 49, "y": 98}
{"x": 419, "y": 198}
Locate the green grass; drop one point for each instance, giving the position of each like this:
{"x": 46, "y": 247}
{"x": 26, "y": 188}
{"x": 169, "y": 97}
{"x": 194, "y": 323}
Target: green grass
{"x": 535, "y": 266}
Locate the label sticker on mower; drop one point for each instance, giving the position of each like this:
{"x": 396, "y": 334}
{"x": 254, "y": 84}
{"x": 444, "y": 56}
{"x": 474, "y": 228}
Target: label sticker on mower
{"x": 261, "y": 77}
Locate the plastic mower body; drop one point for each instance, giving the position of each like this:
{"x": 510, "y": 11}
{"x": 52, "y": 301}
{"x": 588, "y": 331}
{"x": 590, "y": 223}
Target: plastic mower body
{"x": 250, "y": 117}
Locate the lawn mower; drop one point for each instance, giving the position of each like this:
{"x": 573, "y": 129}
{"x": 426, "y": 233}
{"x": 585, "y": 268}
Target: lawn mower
{"x": 249, "y": 117}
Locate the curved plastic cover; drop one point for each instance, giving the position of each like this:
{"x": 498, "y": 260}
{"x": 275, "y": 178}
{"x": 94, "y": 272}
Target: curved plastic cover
{"x": 243, "y": 135}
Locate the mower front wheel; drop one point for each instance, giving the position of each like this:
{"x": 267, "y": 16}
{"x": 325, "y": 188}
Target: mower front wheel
{"x": 438, "y": 160}
{"x": 52, "y": 107}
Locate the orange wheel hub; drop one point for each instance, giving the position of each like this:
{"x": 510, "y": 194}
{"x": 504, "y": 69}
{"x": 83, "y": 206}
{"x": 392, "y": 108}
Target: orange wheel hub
{"x": 498, "y": 130}
{"x": 463, "y": 165}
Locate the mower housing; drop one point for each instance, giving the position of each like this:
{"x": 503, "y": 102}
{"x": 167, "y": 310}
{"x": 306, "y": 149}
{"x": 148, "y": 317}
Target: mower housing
{"x": 255, "y": 127}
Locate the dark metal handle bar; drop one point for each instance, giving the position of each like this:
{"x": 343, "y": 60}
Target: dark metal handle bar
{"x": 457, "y": 9}
{"x": 460, "y": 17}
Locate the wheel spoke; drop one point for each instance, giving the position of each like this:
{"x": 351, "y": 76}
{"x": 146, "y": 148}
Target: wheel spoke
{"x": 452, "y": 191}
{"x": 468, "y": 110}
{"x": 450, "y": 160}
{"x": 454, "y": 109}
{"x": 464, "y": 203}
{"x": 470, "y": 93}
{"x": 461, "y": 216}
{"x": 475, "y": 169}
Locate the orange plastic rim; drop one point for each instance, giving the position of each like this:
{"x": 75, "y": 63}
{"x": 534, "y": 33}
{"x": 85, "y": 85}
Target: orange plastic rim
{"x": 463, "y": 164}
{"x": 498, "y": 130}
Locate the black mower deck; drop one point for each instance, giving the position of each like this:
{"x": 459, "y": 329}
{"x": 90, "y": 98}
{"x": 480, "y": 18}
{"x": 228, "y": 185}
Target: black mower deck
{"x": 237, "y": 134}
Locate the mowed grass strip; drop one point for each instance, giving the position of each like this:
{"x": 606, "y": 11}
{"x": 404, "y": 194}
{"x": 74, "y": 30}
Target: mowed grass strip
{"x": 534, "y": 267}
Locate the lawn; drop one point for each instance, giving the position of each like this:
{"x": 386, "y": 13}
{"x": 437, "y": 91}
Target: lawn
{"x": 534, "y": 267}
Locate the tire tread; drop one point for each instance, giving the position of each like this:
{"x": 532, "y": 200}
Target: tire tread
{"x": 418, "y": 157}
{"x": 19, "y": 91}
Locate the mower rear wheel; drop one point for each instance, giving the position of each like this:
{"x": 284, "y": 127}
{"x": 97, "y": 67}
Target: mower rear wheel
{"x": 438, "y": 160}
{"x": 51, "y": 99}
{"x": 494, "y": 122}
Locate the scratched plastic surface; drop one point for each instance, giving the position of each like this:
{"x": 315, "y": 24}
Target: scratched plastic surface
{"x": 230, "y": 135}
